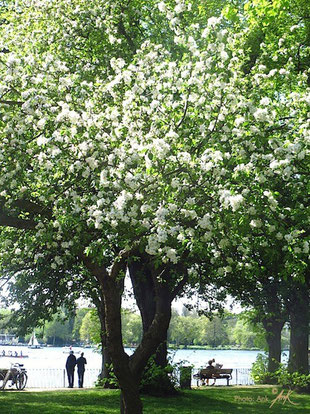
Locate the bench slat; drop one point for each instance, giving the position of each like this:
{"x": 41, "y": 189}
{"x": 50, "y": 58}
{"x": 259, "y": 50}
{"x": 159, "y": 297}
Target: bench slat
{"x": 217, "y": 373}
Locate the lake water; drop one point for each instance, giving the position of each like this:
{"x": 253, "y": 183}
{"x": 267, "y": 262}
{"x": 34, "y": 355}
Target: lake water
{"x": 55, "y": 357}
{"x": 45, "y": 366}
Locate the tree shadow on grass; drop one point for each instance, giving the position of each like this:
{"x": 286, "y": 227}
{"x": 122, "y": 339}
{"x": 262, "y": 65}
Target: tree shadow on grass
{"x": 59, "y": 403}
{"x": 227, "y": 400}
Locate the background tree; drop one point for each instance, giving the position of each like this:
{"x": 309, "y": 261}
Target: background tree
{"x": 90, "y": 328}
{"x": 58, "y": 331}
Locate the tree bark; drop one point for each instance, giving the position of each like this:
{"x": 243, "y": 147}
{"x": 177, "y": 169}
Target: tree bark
{"x": 145, "y": 295}
{"x": 273, "y": 327}
{"x": 128, "y": 370}
{"x": 299, "y": 339}
{"x": 105, "y": 357}
{"x": 111, "y": 285}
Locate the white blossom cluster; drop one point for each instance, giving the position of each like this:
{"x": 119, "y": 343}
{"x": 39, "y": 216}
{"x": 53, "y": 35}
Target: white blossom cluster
{"x": 168, "y": 151}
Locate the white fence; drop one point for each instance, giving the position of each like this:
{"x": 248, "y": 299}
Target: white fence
{"x": 57, "y": 378}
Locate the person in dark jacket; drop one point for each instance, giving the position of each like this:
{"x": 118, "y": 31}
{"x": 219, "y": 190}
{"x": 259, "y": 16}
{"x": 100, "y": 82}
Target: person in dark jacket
{"x": 81, "y": 362}
{"x": 70, "y": 365}
{"x": 211, "y": 370}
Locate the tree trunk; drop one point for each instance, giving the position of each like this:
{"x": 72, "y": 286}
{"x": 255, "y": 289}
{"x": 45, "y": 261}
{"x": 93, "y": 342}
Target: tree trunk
{"x": 273, "y": 327}
{"x": 145, "y": 295}
{"x": 299, "y": 339}
{"x": 111, "y": 285}
{"x": 106, "y": 361}
{"x": 129, "y": 370}
{"x": 128, "y": 382}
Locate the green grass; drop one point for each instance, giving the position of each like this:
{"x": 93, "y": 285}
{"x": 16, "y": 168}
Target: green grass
{"x": 217, "y": 400}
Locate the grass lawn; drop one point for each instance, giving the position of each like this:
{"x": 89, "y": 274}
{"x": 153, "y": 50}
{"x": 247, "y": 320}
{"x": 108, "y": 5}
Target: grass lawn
{"x": 217, "y": 400}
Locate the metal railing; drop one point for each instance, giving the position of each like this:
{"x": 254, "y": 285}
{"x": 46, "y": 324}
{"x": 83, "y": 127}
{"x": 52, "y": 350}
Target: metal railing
{"x": 57, "y": 377}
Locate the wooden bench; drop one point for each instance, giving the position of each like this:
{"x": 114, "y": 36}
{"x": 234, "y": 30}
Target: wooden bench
{"x": 217, "y": 373}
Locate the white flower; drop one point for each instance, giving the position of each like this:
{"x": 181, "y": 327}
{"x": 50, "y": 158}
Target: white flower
{"x": 161, "y": 147}
{"x": 144, "y": 208}
{"x": 261, "y": 114}
{"x": 283, "y": 71}
{"x": 239, "y": 120}
{"x": 161, "y": 213}
{"x": 179, "y": 8}
{"x": 213, "y": 21}
{"x": 184, "y": 157}
{"x": 265, "y": 101}
{"x": 161, "y": 6}
{"x": 42, "y": 141}
{"x": 172, "y": 255}
{"x": 256, "y": 223}
{"x": 293, "y": 28}
{"x": 73, "y": 117}
{"x": 236, "y": 201}
{"x": 205, "y": 222}
{"x": 162, "y": 235}
{"x": 58, "y": 260}
{"x": 224, "y": 55}
{"x": 92, "y": 162}
{"x": 41, "y": 123}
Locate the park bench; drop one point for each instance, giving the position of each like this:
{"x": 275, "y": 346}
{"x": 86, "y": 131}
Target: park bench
{"x": 217, "y": 373}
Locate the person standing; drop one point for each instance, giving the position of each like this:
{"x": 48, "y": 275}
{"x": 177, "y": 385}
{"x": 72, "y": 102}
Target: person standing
{"x": 70, "y": 365}
{"x": 81, "y": 362}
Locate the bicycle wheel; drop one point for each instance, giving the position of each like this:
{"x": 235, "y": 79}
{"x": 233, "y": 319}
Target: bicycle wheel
{"x": 1, "y": 381}
{"x": 21, "y": 380}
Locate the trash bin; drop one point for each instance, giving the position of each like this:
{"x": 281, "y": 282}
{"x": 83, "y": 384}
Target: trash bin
{"x": 185, "y": 377}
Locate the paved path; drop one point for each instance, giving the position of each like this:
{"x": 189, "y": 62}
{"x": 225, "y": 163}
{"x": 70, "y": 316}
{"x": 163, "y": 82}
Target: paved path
{"x": 50, "y": 389}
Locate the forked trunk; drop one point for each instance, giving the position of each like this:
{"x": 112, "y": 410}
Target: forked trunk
{"x": 145, "y": 295}
{"x": 128, "y": 380}
{"x": 129, "y": 370}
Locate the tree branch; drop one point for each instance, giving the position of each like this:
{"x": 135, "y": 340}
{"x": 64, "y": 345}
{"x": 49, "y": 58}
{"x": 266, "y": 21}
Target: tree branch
{"x": 184, "y": 115}
{"x": 18, "y": 223}
{"x": 31, "y": 207}
{"x": 19, "y": 103}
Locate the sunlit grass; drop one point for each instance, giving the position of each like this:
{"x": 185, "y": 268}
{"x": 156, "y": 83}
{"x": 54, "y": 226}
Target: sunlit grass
{"x": 217, "y": 400}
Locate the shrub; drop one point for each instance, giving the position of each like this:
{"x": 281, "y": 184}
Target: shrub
{"x": 157, "y": 380}
{"x": 107, "y": 382}
{"x": 292, "y": 380}
{"x": 259, "y": 371}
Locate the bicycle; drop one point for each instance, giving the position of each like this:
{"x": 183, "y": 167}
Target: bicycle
{"x": 17, "y": 375}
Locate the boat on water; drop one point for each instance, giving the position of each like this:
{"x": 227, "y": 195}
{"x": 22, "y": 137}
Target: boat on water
{"x": 13, "y": 356}
{"x": 67, "y": 349}
{"x": 33, "y": 343}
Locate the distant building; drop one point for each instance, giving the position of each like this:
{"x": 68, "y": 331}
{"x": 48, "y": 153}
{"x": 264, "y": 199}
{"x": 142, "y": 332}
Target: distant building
{"x": 8, "y": 339}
